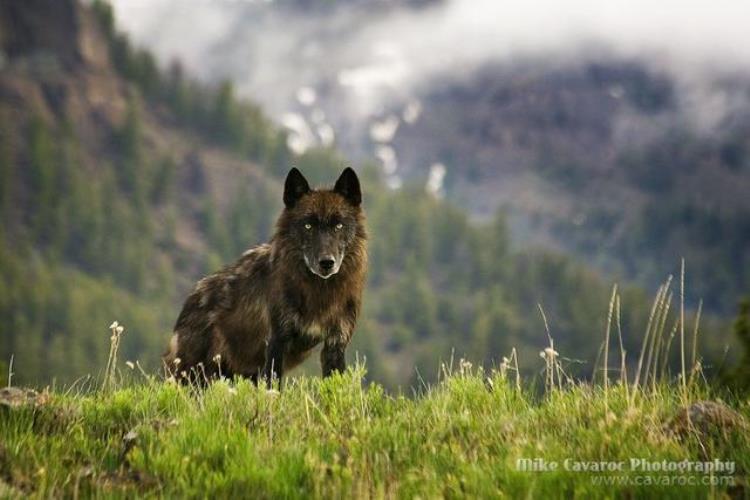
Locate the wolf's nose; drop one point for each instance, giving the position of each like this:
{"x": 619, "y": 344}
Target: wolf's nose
{"x": 326, "y": 263}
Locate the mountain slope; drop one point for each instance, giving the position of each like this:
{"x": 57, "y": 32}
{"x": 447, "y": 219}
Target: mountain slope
{"x": 601, "y": 159}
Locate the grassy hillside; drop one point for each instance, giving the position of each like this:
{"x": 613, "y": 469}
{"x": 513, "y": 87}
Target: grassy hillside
{"x": 338, "y": 438}
{"x": 474, "y": 432}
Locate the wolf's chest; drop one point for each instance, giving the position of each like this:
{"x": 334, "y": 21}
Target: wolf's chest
{"x": 315, "y": 315}
{"x": 314, "y": 330}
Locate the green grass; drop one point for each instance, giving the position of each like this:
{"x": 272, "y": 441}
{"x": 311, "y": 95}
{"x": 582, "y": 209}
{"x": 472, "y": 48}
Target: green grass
{"x": 341, "y": 438}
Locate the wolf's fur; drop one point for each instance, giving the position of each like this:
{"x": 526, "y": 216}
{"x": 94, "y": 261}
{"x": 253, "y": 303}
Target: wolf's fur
{"x": 265, "y": 313}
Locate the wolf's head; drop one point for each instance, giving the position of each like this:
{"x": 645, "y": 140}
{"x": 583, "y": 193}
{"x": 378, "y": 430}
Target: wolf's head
{"x": 322, "y": 225}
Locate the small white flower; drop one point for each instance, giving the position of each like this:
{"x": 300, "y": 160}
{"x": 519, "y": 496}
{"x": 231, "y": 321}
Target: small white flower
{"x": 177, "y": 361}
{"x": 119, "y": 329}
{"x": 130, "y": 365}
{"x": 114, "y": 325}
{"x": 217, "y": 359}
{"x": 549, "y": 353}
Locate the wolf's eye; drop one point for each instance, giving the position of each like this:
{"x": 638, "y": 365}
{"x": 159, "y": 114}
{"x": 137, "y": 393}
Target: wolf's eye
{"x": 339, "y": 226}
{"x": 308, "y": 226}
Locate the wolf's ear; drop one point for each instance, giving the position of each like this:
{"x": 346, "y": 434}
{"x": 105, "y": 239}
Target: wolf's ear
{"x": 348, "y": 187}
{"x": 295, "y": 187}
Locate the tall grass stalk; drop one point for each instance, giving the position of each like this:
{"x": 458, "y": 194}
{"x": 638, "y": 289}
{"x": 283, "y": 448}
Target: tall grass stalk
{"x": 656, "y": 349}
{"x": 694, "y": 363}
{"x": 10, "y": 372}
{"x": 655, "y": 329}
{"x": 646, "y": 338}
{"x": 623, "y": 353}
{"x": 550, "y": 357}
{"x": 682, "y": 331}
{"x": 606, "y": 347}
{"x": 668, "y": 348}
{"x": 114, "y": 344}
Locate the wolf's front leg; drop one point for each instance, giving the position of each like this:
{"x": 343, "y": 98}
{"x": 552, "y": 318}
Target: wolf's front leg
{"x": 274, "y": 359}
{"x": 332, "y": 357}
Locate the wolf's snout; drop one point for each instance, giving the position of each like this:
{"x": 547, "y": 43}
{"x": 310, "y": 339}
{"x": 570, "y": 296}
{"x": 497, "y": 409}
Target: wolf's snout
{"x": 326, "y": 264}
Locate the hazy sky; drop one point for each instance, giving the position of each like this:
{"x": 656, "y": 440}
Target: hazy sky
{"x": 377, "y": 60}
{"x": 693, "y": 30}
{"x": 271, "y": 57}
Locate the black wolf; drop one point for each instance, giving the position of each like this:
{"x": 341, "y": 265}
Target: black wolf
{"x": 263, "y": 314}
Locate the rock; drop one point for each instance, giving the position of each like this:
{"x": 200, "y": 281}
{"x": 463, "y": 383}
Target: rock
{"x": 14, "y": 397}
{"x": 128, "y": 442}
{"x": 129, "y": 438}
{"x": 706, "y": 418}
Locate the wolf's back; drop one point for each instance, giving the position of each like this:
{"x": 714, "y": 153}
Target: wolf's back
{"x": 205, "y": 326}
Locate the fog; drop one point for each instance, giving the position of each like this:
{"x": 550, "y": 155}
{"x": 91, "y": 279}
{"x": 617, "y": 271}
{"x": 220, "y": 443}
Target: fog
{"x": 412, "y": 44}
{"x": 359, "y": 58}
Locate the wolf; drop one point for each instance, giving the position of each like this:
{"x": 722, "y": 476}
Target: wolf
{"x": 265, "y": 313}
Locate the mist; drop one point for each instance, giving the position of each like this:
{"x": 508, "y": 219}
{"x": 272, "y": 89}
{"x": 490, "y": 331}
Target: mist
{"x": 390, "y": 45}
{"x": 351, "y": 73}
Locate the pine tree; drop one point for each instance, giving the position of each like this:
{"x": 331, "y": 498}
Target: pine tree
{"x": 6, "y": 164}
{"x": 163, "y": 183}
{"x": 226, "y": 123}
{"x": 132, "y": 168}
{"x": 42, "y": 177}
